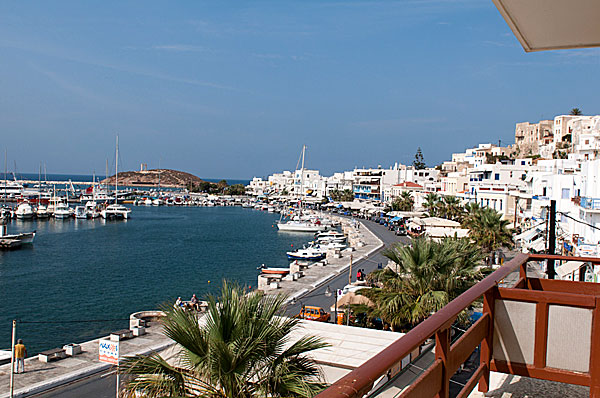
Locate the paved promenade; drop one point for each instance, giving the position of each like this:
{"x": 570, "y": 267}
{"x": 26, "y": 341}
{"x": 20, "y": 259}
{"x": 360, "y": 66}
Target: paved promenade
{"x": 41, "y": 376}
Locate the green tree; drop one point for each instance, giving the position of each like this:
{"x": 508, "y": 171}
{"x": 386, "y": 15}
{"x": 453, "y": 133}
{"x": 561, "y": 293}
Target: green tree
{"x": 240, "y": 349}
{"x": 427, "y": 276}
{"x": 576, "y": 112}
{"x": 452, "y": 208}
{"x": 488, "y": 229}
{"x": 419, "y": 163}
{"x": 404, "y": 202}
{"x": 431, "y": 204}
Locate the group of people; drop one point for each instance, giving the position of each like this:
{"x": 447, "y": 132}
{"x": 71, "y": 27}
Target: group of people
{"x": 192, "y": 304}
{"x": 361, "y": 274}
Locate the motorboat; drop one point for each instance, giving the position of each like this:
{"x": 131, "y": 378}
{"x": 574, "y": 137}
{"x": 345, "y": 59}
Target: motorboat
{"x": 115, "y": 211}
{"x": 61, "y": 211}
{"x": 42, "y": 212}
{"x": 158, "y": 202}
{"x": 90, "y": 209}
{"x": 300, "y": 226}
{"x": 306, "y": 254}
{"x": 147, "y": 202}
{"x": 81, "y": 212}
{"x": 24, "y": 211}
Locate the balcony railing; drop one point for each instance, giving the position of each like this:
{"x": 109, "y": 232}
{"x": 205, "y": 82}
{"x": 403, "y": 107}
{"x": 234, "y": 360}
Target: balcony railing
{"x": 539, "y": 328}
{"x": 590, "y": 203}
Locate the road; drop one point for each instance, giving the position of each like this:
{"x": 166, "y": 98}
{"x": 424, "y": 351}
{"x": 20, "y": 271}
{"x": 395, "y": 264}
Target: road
{"x": 317, "y": 297}
{"x": 102, "y": 385}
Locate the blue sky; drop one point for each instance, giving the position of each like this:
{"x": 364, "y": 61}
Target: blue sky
{"x": 233, "y": 89}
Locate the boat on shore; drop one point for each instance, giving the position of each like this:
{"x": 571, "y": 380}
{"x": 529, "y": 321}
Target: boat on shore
{"x": 274, "y": 270}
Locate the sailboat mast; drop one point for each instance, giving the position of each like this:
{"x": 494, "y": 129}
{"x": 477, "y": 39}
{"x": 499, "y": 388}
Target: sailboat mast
{"x": 40, "y": 185}
{"x": 5, "y": 171}
{"x": 117, "y": 172}
{"x": 302, "y": 172}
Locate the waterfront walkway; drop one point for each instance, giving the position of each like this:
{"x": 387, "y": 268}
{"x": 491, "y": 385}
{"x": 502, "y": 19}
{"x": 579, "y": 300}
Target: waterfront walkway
{"x": 41, "y": 376}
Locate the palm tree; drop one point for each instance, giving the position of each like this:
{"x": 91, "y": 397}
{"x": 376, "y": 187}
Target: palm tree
{"x": 576, "y": 112}
{"x": 428, "y": 276}
{"x": 431, "y": 204}
{"x": 488, "y": 229}
{"x": 404, "y": 202}
{"x": 240, "y": 348}
{"x": 452, "y": 208}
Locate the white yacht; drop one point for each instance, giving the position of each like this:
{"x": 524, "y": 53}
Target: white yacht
{"x": 115, "y": 211}
{"x": 81, "y": 212}
{"x": 158, "y": 202}
{"x": 42, "y": 212}
{"x": 90, "y": 209}
{"x": 61, "y": 211}
{"x": 300, "y": 226}
{"x": 24, "y": 211}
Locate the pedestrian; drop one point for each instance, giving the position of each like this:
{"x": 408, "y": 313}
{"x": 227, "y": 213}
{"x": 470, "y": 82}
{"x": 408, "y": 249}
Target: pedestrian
{"x": 20, "y": 354}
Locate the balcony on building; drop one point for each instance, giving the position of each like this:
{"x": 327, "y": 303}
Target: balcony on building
{"x": 590, "y": 204}
{"x": 535, "y": 337}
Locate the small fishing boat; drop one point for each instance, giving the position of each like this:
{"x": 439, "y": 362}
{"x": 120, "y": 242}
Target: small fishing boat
{"x": 306, "y": 254}
{"x": 24, "y": 238}
{"x": 274, "y": 270}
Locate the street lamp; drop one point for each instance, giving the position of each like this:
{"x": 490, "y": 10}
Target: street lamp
{"x": 329, "y": 293}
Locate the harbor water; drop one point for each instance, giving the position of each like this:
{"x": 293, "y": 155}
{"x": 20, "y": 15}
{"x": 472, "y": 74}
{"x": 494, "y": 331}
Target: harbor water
{"x": 106, "y": 270}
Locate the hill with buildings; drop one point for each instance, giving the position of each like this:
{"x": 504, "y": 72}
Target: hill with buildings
{"x": 150, "y": 178}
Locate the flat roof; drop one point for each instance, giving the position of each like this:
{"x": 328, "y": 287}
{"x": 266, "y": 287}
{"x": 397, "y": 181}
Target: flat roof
{"x": 552, "y": 24}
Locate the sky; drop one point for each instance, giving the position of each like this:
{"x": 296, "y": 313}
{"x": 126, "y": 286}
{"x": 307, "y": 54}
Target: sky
{"x": 233, "y": 89}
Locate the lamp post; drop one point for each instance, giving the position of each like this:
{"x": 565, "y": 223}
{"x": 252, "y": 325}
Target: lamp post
{"x": 329, "y": 293}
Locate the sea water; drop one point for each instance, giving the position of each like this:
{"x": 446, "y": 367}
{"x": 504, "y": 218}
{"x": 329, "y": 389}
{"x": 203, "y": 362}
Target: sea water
{"x": 104, "y": 270}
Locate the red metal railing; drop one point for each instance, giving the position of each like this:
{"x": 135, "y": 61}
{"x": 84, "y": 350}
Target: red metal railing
{"x": 435, "y": 380}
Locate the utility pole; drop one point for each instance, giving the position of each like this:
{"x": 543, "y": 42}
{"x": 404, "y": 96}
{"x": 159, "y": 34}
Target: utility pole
{"x": 551, "y": 239}
{"x": 12, "y": 358}
{"x": 516, "y": 211}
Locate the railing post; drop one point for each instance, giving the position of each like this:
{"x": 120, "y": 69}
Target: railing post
{"x": 595, "y": 353}
{"x": 442, "y": 351}
{"x": 485, "y": 356}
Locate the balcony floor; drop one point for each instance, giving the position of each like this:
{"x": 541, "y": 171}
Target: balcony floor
{"x": 510, "y": 386}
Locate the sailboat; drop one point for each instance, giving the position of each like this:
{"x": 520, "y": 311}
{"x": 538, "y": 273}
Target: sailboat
{"x": 42, "y": 210}
{"x": 115, "y": 210}
{"x": 298, "y": 224}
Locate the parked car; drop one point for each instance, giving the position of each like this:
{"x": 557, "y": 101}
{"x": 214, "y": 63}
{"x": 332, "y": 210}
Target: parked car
{"x": 314, "y": 314}
{"x": 401, "y": 231}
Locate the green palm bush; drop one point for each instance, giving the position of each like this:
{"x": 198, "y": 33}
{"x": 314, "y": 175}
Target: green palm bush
{"x": 241, "y": 348}
{"x": 427, "y": 276}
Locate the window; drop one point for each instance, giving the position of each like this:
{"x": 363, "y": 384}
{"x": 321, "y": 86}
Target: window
{"x": 500, "y": 204}
{"x": 565, "y": 193}
{"x": 497, "y": 176}
{"x": 522, "y": 163}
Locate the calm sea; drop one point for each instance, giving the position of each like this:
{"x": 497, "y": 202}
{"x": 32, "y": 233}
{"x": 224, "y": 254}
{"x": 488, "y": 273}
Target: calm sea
{"x": 96, "y": 269}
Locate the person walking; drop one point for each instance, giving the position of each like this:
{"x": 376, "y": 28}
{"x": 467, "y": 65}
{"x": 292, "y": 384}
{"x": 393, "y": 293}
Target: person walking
{"x": 20, "y": 354}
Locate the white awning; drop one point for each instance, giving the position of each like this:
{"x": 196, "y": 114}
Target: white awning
{"x": 568, "y": 268}
{"x": 552, "y": 24}
{"x": 526, "y": 236}
{"x": 537, "y": 245}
